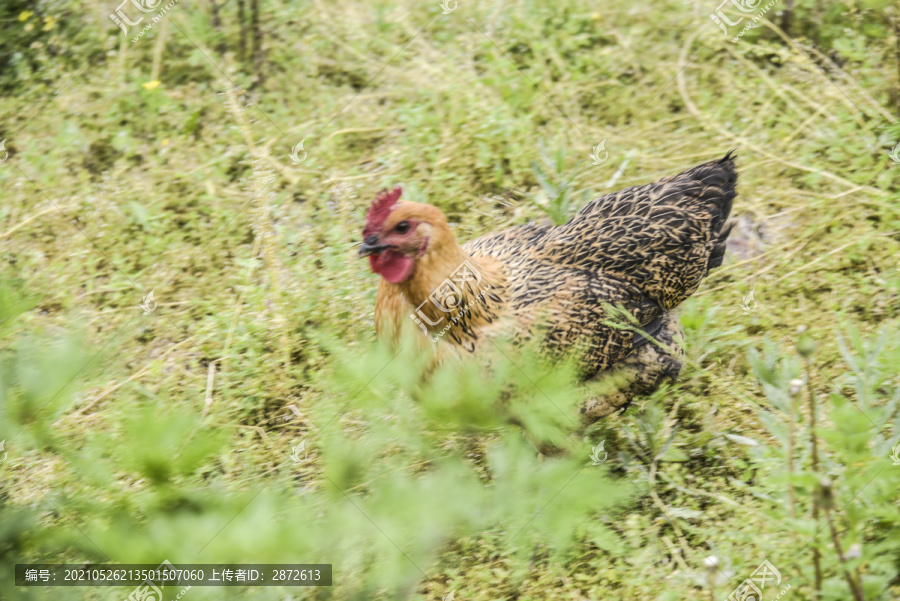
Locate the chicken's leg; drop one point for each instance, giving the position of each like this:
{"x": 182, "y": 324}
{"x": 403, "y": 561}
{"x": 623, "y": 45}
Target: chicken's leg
{"x": 641, "y": 372}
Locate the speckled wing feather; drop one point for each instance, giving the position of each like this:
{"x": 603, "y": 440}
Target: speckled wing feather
{"x": 662, "y": 237}
{"x": 645, "y": 248}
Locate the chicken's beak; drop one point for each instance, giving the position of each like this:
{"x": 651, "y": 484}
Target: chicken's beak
{"x": 371, "y": 247}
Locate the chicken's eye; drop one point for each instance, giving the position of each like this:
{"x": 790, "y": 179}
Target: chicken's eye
{"x": 402, "y": 227}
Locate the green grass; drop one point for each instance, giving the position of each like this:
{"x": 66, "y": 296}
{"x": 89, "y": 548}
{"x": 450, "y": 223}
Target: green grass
{"x": 118, "y": 448}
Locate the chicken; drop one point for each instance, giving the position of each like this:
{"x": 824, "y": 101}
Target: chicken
{"x": 644, "y": 249}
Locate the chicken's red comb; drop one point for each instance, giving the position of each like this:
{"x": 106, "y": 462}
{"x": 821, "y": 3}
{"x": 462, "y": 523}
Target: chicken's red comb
{"x": 380, "y": 209}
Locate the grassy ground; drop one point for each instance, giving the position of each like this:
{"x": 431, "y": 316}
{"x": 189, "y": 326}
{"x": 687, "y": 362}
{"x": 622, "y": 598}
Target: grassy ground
{"x": 144, "y": 167}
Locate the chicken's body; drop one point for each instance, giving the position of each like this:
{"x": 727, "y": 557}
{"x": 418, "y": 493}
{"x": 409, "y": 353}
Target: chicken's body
{"x": 645, "y": 249}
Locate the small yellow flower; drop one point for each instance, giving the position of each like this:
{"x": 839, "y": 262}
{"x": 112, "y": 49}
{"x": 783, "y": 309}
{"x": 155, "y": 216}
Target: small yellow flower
{"x": 29, "y": 26}
{"x": 150, "y": 85}
{"x": 165, "y": 142}
{"x": 49, "y": 23}
{"x": 25, "y": 15}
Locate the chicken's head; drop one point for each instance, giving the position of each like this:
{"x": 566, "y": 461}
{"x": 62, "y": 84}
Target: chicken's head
{"x": 399, "y": 234}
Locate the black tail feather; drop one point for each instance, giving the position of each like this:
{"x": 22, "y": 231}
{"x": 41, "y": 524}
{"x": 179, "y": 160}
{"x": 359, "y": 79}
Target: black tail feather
{"x": 722, "y": 178}
{"x": 718, "y": 253}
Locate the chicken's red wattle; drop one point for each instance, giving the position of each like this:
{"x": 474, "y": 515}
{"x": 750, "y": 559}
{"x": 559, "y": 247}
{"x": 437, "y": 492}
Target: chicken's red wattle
{"x": 392, "y": 266}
